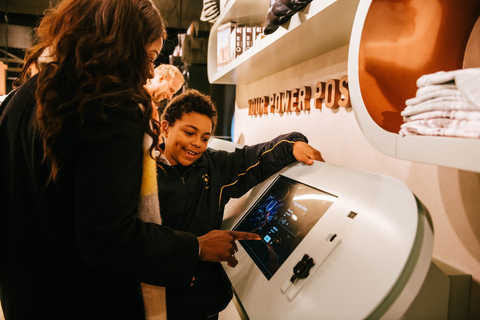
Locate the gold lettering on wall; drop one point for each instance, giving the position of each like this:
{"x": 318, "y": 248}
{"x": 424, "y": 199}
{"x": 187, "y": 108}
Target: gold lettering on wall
{"x": 278, "y": 102}
{"x": 304, "y": 99}
{"x": 294, "y": 100}
{"x": 319, "y": 94}
{"x": 271, "y": 103}
{"x": 333, "y": 93}
{"x": 345, "y": 101}
{"x": 286, "y": 97}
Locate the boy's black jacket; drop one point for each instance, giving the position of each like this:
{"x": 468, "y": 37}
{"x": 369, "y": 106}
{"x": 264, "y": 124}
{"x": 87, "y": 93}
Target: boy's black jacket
{"x": 194, "y": 201}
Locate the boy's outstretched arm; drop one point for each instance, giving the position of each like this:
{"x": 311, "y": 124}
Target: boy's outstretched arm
{"x": 305, "y": 153}
{"x": 219, "y": 245}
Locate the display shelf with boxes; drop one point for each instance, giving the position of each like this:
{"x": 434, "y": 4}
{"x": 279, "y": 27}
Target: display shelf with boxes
{"x": 392, "y": 45}
{"x": 233, "y": 40}
{"x": 318, "y": 28}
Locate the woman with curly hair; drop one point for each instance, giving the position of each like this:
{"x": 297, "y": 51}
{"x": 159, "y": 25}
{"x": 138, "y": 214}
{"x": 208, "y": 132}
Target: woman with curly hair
{"x": 79, "y": 227}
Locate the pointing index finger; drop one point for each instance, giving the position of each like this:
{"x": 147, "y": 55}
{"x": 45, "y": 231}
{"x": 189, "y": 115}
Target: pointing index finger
{"x": 241, "y": 235}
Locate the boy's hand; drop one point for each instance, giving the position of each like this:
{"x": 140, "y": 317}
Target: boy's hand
{"x": 303, "y": 152}
{"x": 218, "y": 245}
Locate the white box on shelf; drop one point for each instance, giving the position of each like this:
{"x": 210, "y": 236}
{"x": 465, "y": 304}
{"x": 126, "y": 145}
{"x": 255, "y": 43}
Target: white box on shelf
{"x": 239, "y": 40}
{"x": 248, "y": 38}
{"x": 224, "y": 32}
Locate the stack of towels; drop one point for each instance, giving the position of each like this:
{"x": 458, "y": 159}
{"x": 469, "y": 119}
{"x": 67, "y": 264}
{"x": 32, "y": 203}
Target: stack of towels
{"x": 447, "y": 103}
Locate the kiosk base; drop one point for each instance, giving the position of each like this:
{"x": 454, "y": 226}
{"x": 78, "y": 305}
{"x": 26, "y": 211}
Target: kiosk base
{"x": 444, "y": 295}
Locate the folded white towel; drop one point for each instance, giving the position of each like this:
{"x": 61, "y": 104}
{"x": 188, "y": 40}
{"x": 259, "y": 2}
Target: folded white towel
{"x": 445, "y": 123}
{"x": 455, "y": 114}
{"x": 445, "y": 76}
{"x": 438, "y": 104}
{"x": 447, "y": 103}
{"x": 441, "y": 93}
{"x": 468, "y": 84}
{"x": 434, "y": 88}
{"x": 413, "y": 128}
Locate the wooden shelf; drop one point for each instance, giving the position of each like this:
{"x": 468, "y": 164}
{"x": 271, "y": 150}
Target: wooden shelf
{"x": 320, "y": 27}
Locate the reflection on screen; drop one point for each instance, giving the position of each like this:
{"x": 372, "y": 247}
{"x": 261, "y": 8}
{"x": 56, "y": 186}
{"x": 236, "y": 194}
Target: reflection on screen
{"x": 282, "y": 216}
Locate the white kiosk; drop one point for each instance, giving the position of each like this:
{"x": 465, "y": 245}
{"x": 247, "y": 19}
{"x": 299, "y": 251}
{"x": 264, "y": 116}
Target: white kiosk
{"x": 337, "y": 243}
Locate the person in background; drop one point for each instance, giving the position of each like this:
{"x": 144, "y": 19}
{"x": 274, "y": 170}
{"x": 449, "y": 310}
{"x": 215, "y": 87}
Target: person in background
{"x": 195, "y": 183}
{"x": 72, "y": 168}
{"x": 167, "y": 81}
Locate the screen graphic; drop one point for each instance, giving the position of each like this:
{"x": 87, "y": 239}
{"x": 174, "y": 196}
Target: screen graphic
{"x": 282, "y": 216}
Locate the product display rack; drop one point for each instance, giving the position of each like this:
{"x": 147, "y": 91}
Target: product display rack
{"x": 318, "y": 28}
{"x": 386, "y": 58}
{"x": 377, "y": 99}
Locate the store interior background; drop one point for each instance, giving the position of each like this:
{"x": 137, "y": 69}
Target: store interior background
{"x": 452, "y": 196}
{"x": 23, "y": 15}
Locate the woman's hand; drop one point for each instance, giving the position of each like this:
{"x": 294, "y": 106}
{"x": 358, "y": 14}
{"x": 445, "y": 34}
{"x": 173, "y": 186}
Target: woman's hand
{"x": 218, "y": 245}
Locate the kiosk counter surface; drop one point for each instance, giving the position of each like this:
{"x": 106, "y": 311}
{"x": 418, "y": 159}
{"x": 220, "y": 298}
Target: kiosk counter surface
{"x": 337, "y": 243}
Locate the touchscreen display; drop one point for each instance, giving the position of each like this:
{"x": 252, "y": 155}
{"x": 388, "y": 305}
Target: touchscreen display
{"x": 282, "y": 216}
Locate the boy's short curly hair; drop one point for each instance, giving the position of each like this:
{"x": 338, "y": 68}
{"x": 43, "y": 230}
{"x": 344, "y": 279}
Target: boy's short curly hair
{"x": 190, "y": 101}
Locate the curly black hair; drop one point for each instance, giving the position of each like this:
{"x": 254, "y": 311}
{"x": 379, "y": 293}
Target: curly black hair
{"x": 190, "y": 101}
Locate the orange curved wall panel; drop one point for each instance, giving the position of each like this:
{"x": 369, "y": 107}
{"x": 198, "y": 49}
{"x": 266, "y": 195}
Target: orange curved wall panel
{"x": 402, "y": 40}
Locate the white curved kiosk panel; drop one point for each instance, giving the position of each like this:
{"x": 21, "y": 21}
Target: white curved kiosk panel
{"x": 369, "y": 238}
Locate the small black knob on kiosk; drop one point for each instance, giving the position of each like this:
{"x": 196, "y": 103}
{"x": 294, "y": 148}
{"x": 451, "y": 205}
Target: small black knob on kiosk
{"x": 302, "y": 268}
